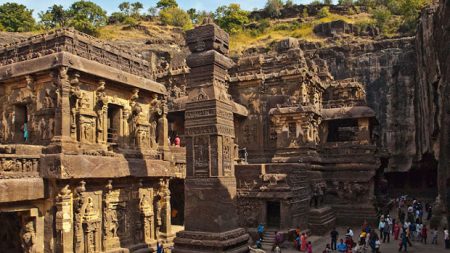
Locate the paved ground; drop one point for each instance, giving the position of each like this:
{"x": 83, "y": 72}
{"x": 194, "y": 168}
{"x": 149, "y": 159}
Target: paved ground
{"x": 319, "y": 244}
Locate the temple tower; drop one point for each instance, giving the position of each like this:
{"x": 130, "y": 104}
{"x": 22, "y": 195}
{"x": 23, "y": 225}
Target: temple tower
{"x": 211, "y": 223}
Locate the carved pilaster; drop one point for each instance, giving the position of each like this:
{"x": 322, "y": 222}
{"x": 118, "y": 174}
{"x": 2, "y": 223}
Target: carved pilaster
{"x": 62, "y": 110}
{"x": 64, "y": 221}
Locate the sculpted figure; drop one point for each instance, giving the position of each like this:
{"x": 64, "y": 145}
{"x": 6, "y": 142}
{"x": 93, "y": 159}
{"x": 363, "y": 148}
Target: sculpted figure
{"x": 28, "y": 237}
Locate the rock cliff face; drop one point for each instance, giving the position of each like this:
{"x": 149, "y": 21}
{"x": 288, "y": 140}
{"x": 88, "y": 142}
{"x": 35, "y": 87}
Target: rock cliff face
{"x": 387, "y": 68}
{"x": 433, "y": 86}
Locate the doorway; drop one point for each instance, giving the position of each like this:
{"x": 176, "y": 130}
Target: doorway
{"x": 177, "y": 201}
{"x": 273, "y": 214}
{"x": 10, "y": 226}
{"x": 114, "y": 113}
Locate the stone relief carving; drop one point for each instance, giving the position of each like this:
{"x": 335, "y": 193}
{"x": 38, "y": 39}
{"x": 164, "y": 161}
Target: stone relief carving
{"x": 28, "y": 236}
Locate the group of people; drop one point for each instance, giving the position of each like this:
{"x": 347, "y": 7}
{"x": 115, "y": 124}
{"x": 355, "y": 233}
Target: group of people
{"x": 410, "y": 226}
{"x": 301, "y": 242}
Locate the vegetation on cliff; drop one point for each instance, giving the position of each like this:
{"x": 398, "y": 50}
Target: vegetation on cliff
{"x": 277, "y": 20}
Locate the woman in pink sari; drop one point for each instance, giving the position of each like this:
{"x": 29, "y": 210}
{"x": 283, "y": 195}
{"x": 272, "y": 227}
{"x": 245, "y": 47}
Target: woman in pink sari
{"x": 396, "y": 230}
{"x": 303, "y": 239}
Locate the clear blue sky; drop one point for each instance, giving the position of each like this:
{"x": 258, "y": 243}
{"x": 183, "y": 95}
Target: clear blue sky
{"x": 111, "y": 5}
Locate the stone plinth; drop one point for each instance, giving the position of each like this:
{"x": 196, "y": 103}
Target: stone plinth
{"x": 321, "y": 220}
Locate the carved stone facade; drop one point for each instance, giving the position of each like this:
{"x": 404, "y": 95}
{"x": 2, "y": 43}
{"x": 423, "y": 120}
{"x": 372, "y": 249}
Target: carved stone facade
{"x": 79, "y": 122}
{"x": 287, "y": 108}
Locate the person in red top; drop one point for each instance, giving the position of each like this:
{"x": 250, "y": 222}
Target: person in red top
{"x": 396, "y": 230}
{"x": 424, "y": 234}
{"x": 177, "y": 141}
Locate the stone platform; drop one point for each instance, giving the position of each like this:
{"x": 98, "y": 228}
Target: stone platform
{"x": 321, "y": 220}
{"x": 234, "y": 241}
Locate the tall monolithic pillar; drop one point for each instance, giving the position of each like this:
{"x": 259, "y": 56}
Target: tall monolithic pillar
{"x": 210, "y": 187}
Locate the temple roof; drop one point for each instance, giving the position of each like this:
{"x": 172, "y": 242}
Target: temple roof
{"x": 348, "y": 112}
{"x": 78, "y": 51}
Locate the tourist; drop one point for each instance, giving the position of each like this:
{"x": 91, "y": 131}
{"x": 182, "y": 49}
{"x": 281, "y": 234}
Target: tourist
{"x": 309, "y": 247}
{"x": 297, "y": 242}
{"x": 362, "y": 237}
{"x": 403, "y": 242}
{"x": 381, "y": 226}
{"x": 412, "y": 231}
{"x": 419, "y": 227}
{"x": 424, "y": 234}
{"x": 303, "y": 241}
{"x": 341, "y": 247}
{"x": 334, "y": 235}
{"x": 327, "y": 249}
{"x": 177, "y": 141}
{"x": 386, "y": 232}
{"x": 159, "y": 248}
{"x": 396, "y": 230}
{"x": 446, "y": 239}
{"x": 434, "y": 236}
{"x": 429, "y": 211}
{"x": 260, "y": 230}
{"x": 374, "y": 241}
{"x": 349, "y": 232}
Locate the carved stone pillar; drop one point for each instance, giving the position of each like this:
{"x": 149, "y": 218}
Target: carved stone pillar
{"x": 163, "y": 133}
{"x": 62, "y": 109}
{"x": 166, "y": 221}
{"x": 64, "y": 221}
{"x": 147, "y": 215}
{"x": 210, "y": 184}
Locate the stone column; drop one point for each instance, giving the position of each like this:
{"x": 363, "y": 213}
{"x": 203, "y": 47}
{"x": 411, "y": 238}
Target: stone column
{"x": 211, "y": 222}
{"x": 62, "y": 107}
{"x": 163, "y": 133}
{"x": 64, "y": 221}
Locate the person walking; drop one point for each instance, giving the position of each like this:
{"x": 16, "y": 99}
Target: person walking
{"x": 396, "y": 231}
{"x": 381, "y": 226}
{"x": 334, "y": 235}
{"x": 434, "y": 236}
{"x": 424, "y": 234}
{"x": 386, "y": 232}
{"x": 403, "y": 242}
{"x": 309, "y": 247}
{"x": 260, "y": 231}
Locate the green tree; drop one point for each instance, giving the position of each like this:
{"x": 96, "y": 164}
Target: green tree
{"x": 86, "y": 17}
{"x": 382, "y": 14}
{"x": 315, "y": 2}
{"x": 345, "y": 2}
{"x": 231, "y": 18}
{"x": 328, "y": 2}
{"x": 152, "y": 11}
{"x": 136, "y": 8}
{"x": 288, "y": 4}
{"x": 125, "y": 8}
{"x": 176, "y": 17}
{"x": 16, "y": 18}
{"x": 54, "y": 17}
{"x": 163, "y": 4}
{"x": 273, "y": 8}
